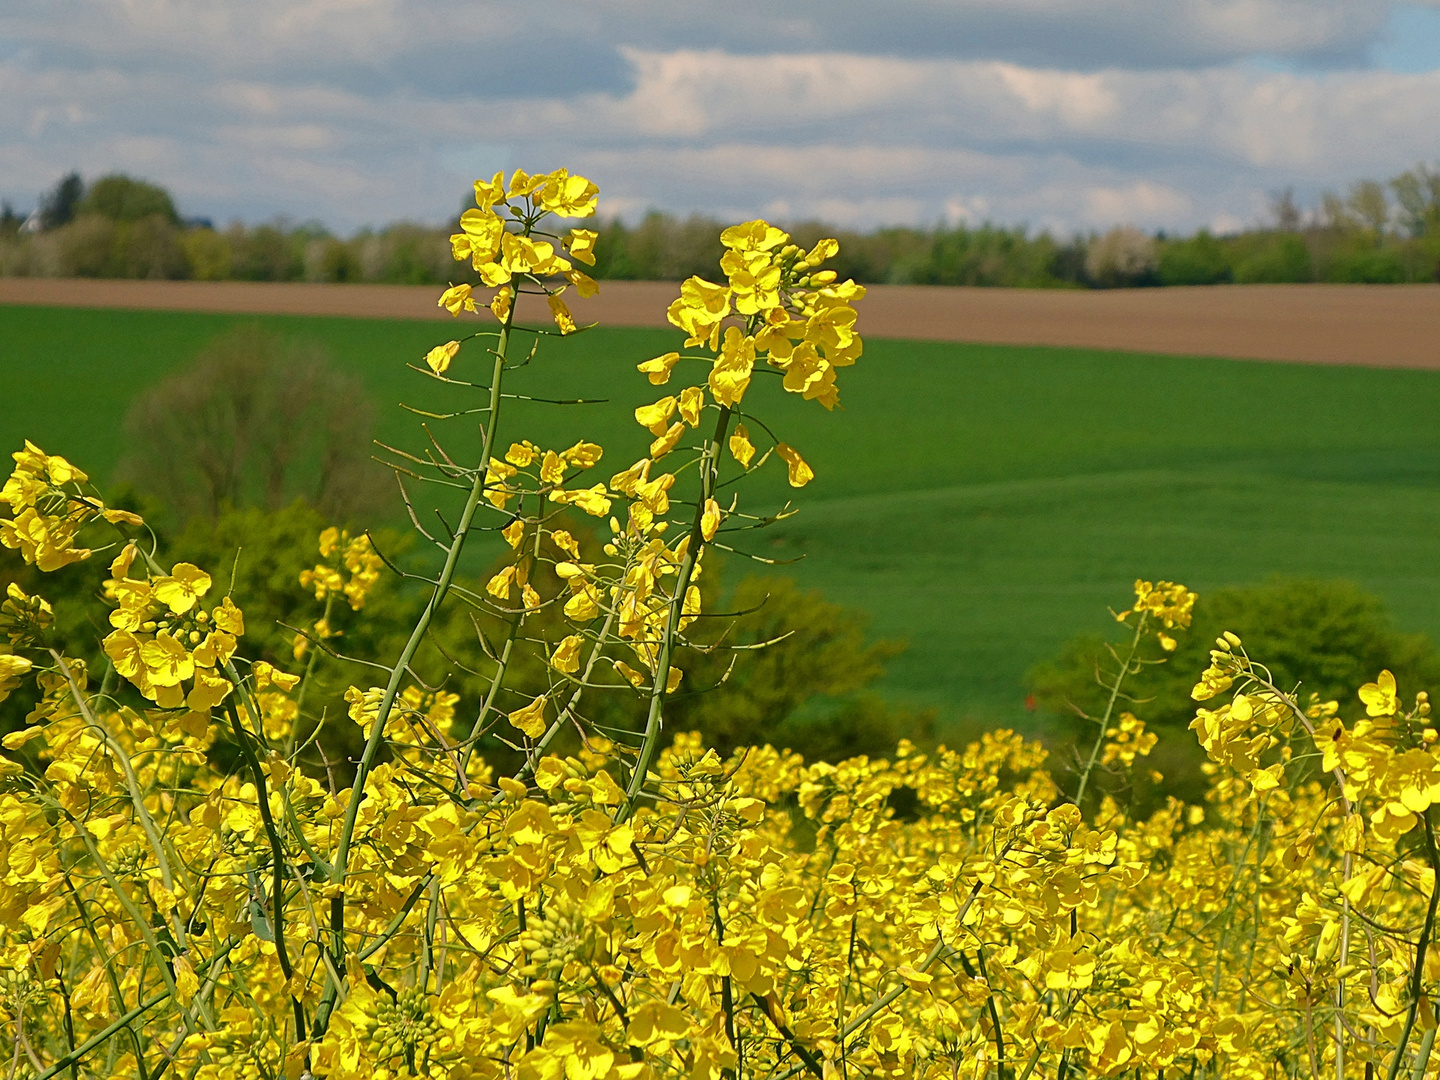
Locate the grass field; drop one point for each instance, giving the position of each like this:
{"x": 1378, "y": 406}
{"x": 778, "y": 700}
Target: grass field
{"x": 982, "y": 502}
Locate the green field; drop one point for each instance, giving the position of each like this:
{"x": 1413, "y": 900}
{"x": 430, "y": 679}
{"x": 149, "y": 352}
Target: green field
{"x": 982, "y": 502}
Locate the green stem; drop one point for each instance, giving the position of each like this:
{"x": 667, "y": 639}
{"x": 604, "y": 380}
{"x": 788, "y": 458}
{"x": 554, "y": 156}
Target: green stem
{"x": 132, "y": 782}
{"x": 109, "y": 963}
{"x": 533, "y": 758}
{"x": 1417, "y": 976}
{"x": 277, "y": 861}
{"x": 103, "y": 1035}
{"x": 397, "y": 674}
{"x": 305, "y": 679}
{"x": 136, "y": 915}
{"x": 501, "y": 666}
{"x": 1422, "y": 1057}
{"x": 880, "y": 1003}
{"x": 650, "y": 744}
{"x": 1110, "y": 709}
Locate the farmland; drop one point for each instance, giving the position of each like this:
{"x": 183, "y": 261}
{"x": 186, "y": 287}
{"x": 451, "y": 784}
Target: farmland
{"x": 982, "y": 502}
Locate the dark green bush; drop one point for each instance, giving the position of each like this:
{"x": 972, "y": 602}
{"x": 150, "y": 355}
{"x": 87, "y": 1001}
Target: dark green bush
{"x": 1318, "y": 637}
{"x": 1198, "y": 260}
{"x": 1367, "y": 266}
{"x": 1324, "y": 637}
{"x": 1274, "y": 258}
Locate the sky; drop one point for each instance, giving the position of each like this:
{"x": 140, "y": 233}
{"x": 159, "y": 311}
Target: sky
{"x": 1066, "y": 115}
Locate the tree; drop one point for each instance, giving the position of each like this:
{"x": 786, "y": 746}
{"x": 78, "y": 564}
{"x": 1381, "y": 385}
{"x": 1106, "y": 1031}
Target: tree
{"x": 1336, "y": 214}
{"x": 60, "y": 205}
{"x": 1286, "y": 211}
{"x": 1199, "y": 260}
{"x": 257, "y": 420}
{"x": 1273, "y": 258}
{"x": 122, "y": 198}
{"x": 1370, "y": 205}
{"x": 1418, "y": 193}
{"x": 1123, "y": 256}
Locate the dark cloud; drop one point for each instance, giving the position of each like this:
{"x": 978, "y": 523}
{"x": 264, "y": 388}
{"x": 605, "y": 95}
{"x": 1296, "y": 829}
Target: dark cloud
{"x": 1134, "y": 34}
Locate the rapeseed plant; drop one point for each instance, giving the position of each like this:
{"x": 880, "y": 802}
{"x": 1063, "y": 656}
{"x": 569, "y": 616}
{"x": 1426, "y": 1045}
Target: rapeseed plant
{"x": 641, "y": 908}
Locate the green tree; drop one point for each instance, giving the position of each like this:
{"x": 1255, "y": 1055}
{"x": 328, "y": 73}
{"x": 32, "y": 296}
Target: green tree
{"x": 1363, "y": 263}
{"x": 1418, "y": 193}
{"x": 256, "y": 420}
{"x": 123, "y": 198}
{"x": 63, "y": 201}
{"x": 1198, "y": 260}
{"x": 266, "y": 253}
{"x": 1274, "y": 258}
{"x": 1370, "y": 205}
{"x": 208, "y": 253}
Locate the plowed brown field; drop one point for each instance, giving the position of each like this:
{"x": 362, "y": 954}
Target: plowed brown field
{"x": 1376, "y": 325}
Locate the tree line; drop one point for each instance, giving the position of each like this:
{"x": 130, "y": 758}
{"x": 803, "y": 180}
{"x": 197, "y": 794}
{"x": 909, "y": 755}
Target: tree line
{"x": 120, "y": 227}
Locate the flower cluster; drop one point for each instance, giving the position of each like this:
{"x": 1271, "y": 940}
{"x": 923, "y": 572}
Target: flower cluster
{"x": 500, "y": 254}
{"x": 785, "y": 312}
{"x": 165, "y": 642}
{"x": 1166, "y": 604}
{"x": 350, "y": 570}
{"x": 49, "y": 506}
{"x": 797, "y": 318}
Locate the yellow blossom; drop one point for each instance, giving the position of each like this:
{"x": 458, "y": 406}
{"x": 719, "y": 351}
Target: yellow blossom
{"x": 530, "y": 720}
{"x": 799, "y": 472}
{"x": 455, "y": 298}
{"x": 438, "y": 359}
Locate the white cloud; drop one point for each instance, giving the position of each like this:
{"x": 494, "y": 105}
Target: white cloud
{"x": 1075, "y": 100}
{"x": 1224, "y": 222}
{"x": 1140, "y": 203}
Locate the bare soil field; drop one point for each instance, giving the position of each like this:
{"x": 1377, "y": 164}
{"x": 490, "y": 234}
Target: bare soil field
{"x": 1373, "y": 325}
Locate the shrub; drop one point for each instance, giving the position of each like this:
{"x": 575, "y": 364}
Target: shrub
{"x": 409, "y": 255}
{"x": 806, "y": 691}
{"x": 1200, "y": 260}
{"x": 149, "y": 248}
{"x": 329, "y": 259}
{"x": 1367, "y": 266}
{"x": 210, "y": 254}
{"x": 1319, "y": 637}
{"x": 265, "y": 253}
{"x": 1278, "y": 258}
{"x": 256, "y": 419}
{"x": 82, "y": 248}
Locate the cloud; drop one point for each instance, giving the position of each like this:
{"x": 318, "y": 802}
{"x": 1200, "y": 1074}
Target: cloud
{"x": 1141, "y": 203}
{"x": 1049, "y": 112}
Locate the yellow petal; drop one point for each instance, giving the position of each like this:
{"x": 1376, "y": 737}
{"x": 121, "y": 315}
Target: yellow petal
{"x": 800, "y": 473}
{"x": 438, "y": 359}
{"x": 531, "y": 719}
